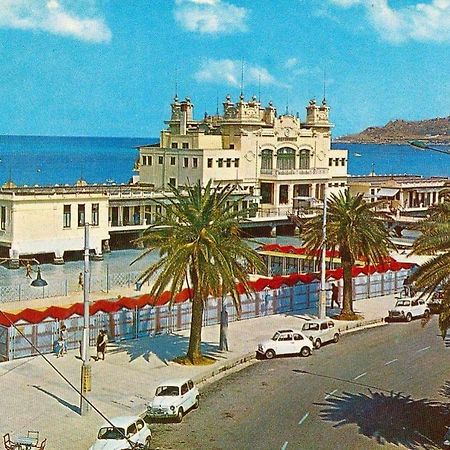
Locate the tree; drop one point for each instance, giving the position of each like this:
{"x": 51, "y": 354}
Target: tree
{"x": 435, "y": 273}
{"x": 200, "y": 246}
{"x": 353, "y": 228}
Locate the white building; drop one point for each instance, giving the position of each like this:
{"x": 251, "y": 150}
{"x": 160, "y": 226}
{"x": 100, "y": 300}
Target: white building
{"x": 273, "y": 158}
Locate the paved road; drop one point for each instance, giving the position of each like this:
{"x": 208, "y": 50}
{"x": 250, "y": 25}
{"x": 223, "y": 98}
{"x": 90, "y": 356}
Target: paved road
{"x": 389, "y": 385}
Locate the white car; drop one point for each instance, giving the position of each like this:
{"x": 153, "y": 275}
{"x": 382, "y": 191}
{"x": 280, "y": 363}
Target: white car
{"x": 320, "y": 331}
{"x": 407, "y": 309}
{"x": 286, "y": 342}
{"x": 124, "y": 430}
{"x": 173, "y": 399}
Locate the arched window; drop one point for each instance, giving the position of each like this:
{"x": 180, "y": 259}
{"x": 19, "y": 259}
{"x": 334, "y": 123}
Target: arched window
{"x": 286, "y": 158}
{"x": 304, "y": 159}
{"x": 267, "y": 159}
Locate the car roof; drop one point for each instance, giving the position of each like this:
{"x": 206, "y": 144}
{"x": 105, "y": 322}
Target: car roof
{"x": 288, "y": 331}
{"x": 121, "y": 421}
{"x": 175, "y": 382}
{"x": 319, "y": 320}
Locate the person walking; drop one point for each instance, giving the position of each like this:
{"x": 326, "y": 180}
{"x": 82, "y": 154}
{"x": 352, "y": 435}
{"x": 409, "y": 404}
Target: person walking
{"x": 102, "y": 340}
{"x": 28, "y": 270}
{"x": 80, "y": 280}
{"x": 335, "y": 295}
{"x": 63, "y": 338}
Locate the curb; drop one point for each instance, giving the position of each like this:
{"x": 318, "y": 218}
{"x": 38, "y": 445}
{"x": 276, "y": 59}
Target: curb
{"x": 237, "y": 361}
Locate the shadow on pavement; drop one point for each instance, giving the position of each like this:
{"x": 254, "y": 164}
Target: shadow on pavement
{"x": 390, "y": 418}
{"x": 72, "y": 407}
{"x": 165, "y": 347}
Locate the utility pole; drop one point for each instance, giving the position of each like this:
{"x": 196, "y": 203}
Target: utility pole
{"x": 86, "y": 375}
{"x": 323, "y": 292}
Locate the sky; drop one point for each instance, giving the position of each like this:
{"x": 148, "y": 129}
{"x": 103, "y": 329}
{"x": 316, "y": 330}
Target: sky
{"x": 112, "y": 67}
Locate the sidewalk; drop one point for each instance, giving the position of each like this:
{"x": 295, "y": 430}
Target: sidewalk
{"x": 34, "y": 397}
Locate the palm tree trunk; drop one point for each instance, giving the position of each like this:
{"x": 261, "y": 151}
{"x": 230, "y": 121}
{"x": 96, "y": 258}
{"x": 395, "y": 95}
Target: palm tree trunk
{"x": 347, "y": 264}
{"x": 194, "y": 352}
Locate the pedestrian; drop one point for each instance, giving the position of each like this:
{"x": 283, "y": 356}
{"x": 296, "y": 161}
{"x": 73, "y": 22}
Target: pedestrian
{"x": 63, "y": 338}
{"x": 28, "y": 270}
{"x": 102, "y": 340}
{"x": 223, "y": 345}
{"x": 80, "y": 280}
{"x": 407, "y": 287}
{"x": 335, "y": 295}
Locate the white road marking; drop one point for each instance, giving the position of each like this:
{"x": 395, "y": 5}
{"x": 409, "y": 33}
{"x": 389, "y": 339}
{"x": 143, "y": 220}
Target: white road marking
{"x": 422, "y": 349}
{"x": 330, "y": 394}
{"x": 303, "y": 418}
{"x": 359, "y": 376}
{"x": 284, "y": 446}
{"x": 390, "y": 362}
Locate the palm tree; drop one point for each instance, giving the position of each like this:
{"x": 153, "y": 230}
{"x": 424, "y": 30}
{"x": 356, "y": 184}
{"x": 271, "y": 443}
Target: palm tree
{"x": 353, "y": 228}
{"x": 200, "y": 246}
{"x": 435, "y": 273}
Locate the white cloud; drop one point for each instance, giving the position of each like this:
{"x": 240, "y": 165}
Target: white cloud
{"x": 291, "y": 63}
{"x": 210, "y": 16}
{"x": 423, "y": 21}
{"x": 52, "y": 17}
{"x": 229, "y": 71}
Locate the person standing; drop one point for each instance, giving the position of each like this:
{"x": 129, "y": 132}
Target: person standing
{"x": 80, "y": 280}
{"x": 63, "y": 338}
{"x": 102, "y": 340}
{"x": 407, "y": 287}
{"x": 28, "y": 270}
{"x": 335, "y": 295}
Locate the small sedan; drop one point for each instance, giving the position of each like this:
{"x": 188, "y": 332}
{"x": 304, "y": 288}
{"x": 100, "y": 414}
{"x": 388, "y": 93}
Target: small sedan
{"x": 285, "y": 342}
{"x": 173, "y": 399}
{"x": 122, "y": 433}
{"x": 321, "y": 331}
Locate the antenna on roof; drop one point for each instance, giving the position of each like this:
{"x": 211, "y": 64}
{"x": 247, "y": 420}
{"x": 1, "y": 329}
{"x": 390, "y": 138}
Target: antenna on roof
{"x": 324, "y": 84}
{"x": 217, "y": 103}
{"x": 287, "y": 102}
{"x": 242, "y": 79}
{"x": 259, "y": 87}
{"x": 176, "y": 83}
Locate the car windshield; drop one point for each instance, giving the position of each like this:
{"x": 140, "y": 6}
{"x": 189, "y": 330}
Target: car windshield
{"x": 275, "y": 336}
{"x": 310, "y": 326}
{"x": 167, "y": 391}
{"x": 403, "y": 303}
{"x": 111, "y": 433}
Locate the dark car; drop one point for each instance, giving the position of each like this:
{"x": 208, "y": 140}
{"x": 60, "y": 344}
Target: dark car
{"x": 435, "y": 303}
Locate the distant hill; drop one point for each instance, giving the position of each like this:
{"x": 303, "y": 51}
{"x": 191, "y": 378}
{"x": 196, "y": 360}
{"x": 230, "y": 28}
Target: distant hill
{"x": 399, "y": 131}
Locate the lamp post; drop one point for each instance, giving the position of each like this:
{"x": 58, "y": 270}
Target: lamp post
{"x": 86, "y": 376}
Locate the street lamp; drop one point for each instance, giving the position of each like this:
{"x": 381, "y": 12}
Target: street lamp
{"x": 86, "y": 376}
{"x": 39, "y": 282}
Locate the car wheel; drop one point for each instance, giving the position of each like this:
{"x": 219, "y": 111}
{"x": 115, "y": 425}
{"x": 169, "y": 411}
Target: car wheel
{"x": 408, "y": 317}
{"x": 197, "y": 402}
{"x": 270, "y": 354}
{"x": 318, "y": 344}
{"x": 179, "y": 417}
{"x": 336, "y": 338}
{"x": 148, "y": 442}
{"x": 305, "y": 351}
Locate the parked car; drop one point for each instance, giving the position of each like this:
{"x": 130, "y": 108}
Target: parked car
{"x": 286, "y": 342}
{"x": 173, "y": 399}
{"x": 435, "y": 303}
{"x": 321, "y": 331}
{"x": 407, "y": 309}
{"x": 124, "y": 428}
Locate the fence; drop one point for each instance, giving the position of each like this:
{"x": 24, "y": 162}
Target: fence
{"x": 62, "y": 287}
{"x": 134, "y": 323}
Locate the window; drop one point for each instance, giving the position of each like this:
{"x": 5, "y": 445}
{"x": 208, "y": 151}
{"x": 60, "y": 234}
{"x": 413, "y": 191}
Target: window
{"x": 185, "y": 144}
{"x": 210, "y": 163}
{"x": 140, "y": 424}
{"x": 66, "y": 216}
{"x": 195, "y": 162}
{"x": 330, "y": 162}
{"x": 149, "y": 160}
{"x": 160, "y": 159}
{"x": 304, "y": 159}
{"x": 286, "y": 158}
{"x": 236, "y": 162}
{"x": 95, "y": 210}
{"x": 172, "y": 160}
{"x": 184, "y": 389}
{"x": 297, "y": 337}
{"x": 3, "y": 218}
{"x": 81, "y": 215}
{"x": 311, "y": 326}
{"x": 191, "y": 384}
{"x": 131, "y": 430}
{"x": 324, "y": 326}
{"x": 232, "y": 146}
{"x": 266, "y": 159}
{"x": 228, "y": 162}
{"x": 336, "y": 161}
{"x": 144, "y": 160}
{"x": 185, "y": 162}
{"x": 174, "y": 144}
{"x": 342, "y": 161}
{"x": 283, "y": 197}
{"x": 330, "y": 324}
{"x": 173, "y": 182}
{"x": 285, "y": 337}
{"x": 220, "y": 162}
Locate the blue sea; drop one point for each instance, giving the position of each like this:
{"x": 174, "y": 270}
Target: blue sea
{"x": 47, "y": 160}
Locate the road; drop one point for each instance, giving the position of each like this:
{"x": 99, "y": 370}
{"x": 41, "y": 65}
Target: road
{"x": 388, "y": 385}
